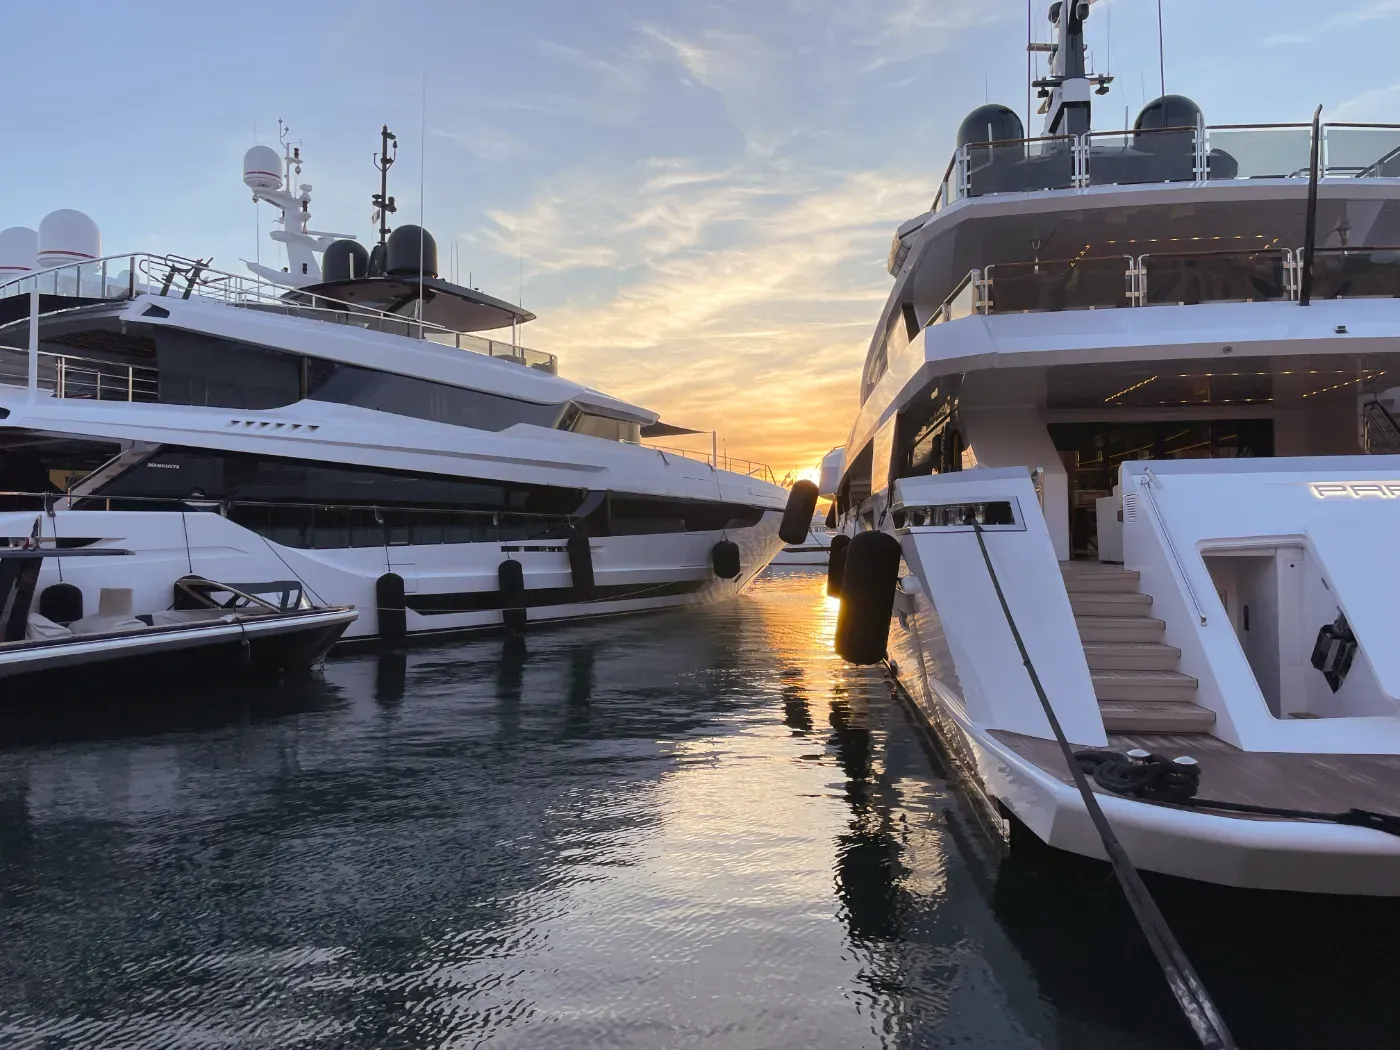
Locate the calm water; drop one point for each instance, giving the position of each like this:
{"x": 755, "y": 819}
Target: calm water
{"x": 689, "y": 830}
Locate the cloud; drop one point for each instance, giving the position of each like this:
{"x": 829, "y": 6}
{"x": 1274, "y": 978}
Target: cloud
{"x": 750, "y": 299}
{"x": 1374, "y": 11}
{"x": 1377, "y": 105}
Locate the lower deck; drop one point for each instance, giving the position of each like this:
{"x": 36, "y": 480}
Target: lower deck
{"x": 1328, "y": 783}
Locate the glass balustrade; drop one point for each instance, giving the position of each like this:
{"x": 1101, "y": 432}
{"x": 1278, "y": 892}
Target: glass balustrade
{"x": 1167, "y": 155}
{"x": 1356, "y": 273}
{"x": 1362, "y": 150}
{"x": 1188, "y": 279}
{"x": 1060, "y": 284}
{"x": 1019, "y": 166}
{"x": 1277, "y": 151}
{"x": 1131, "y": 157}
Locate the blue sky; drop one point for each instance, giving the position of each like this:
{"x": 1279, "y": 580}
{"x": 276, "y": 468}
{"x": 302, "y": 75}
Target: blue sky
{"x": 704, "y": 191}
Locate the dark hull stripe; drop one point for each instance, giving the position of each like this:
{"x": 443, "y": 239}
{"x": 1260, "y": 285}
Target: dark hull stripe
{"x": 483, "y": 601}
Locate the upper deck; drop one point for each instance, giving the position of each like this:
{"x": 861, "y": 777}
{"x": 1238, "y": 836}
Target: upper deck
{"x": 121, "y": 278}
{"x": 1154, "y": 156}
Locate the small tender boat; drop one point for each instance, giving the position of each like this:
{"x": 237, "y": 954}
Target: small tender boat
{"x": 814, "y": 550}
{"x": 212, "y": 629}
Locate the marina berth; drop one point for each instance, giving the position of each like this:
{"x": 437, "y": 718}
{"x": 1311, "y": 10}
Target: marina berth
{"x": 344, "y": 423}
{"x": 1131, "y": 403}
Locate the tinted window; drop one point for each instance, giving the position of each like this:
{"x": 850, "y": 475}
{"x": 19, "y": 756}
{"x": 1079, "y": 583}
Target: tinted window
{"x": 178, "y": 473}
{"x": 422, "y": 399}
{"x": 605, "y": 427}
{"x": 201, "y": 370}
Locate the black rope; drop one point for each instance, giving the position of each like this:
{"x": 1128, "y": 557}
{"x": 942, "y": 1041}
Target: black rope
{"x": 1186, "y": 986}
{"x": 1160, "y": 779}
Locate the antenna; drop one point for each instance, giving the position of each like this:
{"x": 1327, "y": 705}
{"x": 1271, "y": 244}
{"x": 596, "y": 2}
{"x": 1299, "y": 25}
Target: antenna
{"x": 1161, "y": 51}
{"x": 383, "y": 203}
{"x": 422, "y": 183}
{"x": 1029, "y": 75}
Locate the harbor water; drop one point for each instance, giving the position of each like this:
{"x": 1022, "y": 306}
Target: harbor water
{"x": 694, "y": 829}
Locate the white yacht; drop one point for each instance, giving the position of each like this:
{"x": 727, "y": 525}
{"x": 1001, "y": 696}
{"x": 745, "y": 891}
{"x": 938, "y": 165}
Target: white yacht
{"x": 339, "y": 425}
{"x": 1134, "y": 382}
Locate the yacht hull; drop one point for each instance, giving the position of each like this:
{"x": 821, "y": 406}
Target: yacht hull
{"x": 449, "y": 588}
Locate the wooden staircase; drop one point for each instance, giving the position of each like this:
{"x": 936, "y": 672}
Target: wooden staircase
{"x": 1135, "y": 675}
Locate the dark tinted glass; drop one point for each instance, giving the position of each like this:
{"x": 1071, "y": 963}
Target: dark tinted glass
{"x": 423, "y": 399}
{"x": 200, "y": 370}
{"x": 179, "y": 473}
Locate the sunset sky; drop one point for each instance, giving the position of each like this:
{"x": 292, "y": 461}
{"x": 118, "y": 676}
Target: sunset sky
{"x": 703, "y": 193}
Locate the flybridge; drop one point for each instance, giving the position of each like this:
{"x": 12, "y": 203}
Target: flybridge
{"x": 120, "y": 278}
{"x": 1169, "y": 143}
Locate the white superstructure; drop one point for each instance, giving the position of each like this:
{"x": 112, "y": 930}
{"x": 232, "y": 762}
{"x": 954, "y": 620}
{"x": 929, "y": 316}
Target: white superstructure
{"x": 1158, "y": 385}
{"x": 331, "y": 427}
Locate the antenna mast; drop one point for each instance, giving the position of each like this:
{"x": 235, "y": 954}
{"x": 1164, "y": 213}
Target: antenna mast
{"x": 383, "y": 203}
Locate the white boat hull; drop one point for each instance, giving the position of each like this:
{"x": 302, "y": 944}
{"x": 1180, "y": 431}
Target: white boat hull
{"x": 448, "y": 587}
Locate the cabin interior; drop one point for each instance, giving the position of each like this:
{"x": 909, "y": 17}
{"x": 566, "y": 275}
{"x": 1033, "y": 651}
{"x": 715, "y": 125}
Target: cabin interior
{"x": 1079, "y": 423}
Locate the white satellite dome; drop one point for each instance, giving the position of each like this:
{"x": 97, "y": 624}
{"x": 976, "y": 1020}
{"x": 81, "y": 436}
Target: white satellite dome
{"x": 262, "y": 169}
{"x": 67, "y": 236}
{"x": 18, "y": 247}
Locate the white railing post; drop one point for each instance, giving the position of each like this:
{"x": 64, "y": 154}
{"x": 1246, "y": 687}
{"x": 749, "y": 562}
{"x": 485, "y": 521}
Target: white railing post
{"x": 34, "y": 342}
{"x": 1202, "y": 155}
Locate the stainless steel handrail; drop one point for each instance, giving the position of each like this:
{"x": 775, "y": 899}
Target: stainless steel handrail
{"x": 1082, "y": 174}
{"x": 1149, "y": 482}
{"x": 748, "y": 467}
{"x": 56, "y": 370}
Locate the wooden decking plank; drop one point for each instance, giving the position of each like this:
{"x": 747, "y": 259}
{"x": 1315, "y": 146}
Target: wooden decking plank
{"x": 1322, "y": 782}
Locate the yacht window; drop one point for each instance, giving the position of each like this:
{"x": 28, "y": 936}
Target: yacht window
{"x": 179, "y": 473}
{"x": 421, "y": 398}
{"x": 604, "y": 427}
{"x": 201, "y": 370}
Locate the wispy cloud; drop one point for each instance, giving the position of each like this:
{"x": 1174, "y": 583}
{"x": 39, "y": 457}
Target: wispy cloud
{"x": 748, "y": 302}
{"x": 1374, "y": 11}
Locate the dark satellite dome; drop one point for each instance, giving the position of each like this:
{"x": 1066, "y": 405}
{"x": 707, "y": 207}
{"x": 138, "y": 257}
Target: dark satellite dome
{"x": 344, "y": 260}
{"x": 411, "y": 252}
{"x": 991, "y": 123}
{"x": 1169, "y": 111}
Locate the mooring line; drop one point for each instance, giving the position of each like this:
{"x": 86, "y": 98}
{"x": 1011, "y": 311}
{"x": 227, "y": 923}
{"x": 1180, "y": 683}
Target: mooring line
{"x": 1186, "y": 986}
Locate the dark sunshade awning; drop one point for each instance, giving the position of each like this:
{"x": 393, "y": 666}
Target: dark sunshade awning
{"x": 661, "y": 430}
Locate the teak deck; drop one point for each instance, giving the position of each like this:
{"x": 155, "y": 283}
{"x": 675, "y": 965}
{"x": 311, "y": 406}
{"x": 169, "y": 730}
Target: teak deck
{"x": 1325, "y": 783}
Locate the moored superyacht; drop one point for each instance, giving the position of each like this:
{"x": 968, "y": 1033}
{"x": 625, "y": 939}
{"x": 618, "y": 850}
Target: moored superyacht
{"x": 338, "y": 430}
{"x": 1125, "y": 426}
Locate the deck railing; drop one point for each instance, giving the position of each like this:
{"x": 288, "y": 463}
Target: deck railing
{"x": 1235, "y": 275}
{"x": 121, "y": 277}
{"x": 67, "y": 375}
{"x": 720, "y": 461}
{"x": 1184, "y": 154}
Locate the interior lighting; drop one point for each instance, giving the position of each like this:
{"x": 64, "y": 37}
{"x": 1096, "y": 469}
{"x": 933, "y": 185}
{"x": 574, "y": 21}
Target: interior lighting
{"x": 1349, "y": 382}
{"x": 1128, "y": 390}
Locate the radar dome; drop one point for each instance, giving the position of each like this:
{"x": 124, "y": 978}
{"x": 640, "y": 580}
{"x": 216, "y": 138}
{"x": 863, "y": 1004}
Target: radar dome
{"x": 18, "y": 247}
{"x": 991, "y": 123}
{"x": 262, "y": 169}
{"x": 1169, "y": 111}
{"x": 344, "y": 260}
{"x": 412, "y": 251}
{"x": 67, "y": 236}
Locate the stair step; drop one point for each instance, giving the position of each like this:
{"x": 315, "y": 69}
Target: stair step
{"x": 1119, "y": 628}
{"x": 1114, "y": 603}
{"x": 1123, "y": 716}
{"x": 1131, "y": 656}
{"x": 1157, "y": 686}
{"x": 1098, "y": 581}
